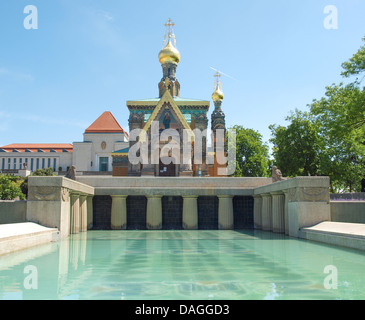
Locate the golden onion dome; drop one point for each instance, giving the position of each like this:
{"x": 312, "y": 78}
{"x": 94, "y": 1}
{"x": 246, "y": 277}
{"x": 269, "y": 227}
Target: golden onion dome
{"x": 169, "y": 54}
{"x": 217, "y": 94}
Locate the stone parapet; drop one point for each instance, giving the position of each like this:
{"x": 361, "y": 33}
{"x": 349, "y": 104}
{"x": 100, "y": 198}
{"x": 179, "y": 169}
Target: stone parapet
{"x": 174, "y": 186}
{"x": 289, "y": 205}
{"x": 58, "y": 202}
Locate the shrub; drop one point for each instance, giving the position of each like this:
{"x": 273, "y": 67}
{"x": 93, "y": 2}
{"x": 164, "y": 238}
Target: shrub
{"x": 10, "y": 188}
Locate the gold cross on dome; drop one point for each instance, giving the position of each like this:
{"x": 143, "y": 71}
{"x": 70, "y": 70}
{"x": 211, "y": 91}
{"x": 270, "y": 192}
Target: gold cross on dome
{"x": 169, "y": 25}
{"x": 169, "y": 31}
{"x": 217, "y": 76}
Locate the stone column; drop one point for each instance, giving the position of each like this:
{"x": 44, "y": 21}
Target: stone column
{"x": 225, "y": 212}
{"x": 119, "y": 212}
{"x": 286, "y": 221}
{"x": 257, "y": 208}
{"x": 154, "y": 212}
{"x": 190, "y": 212}
{"x": 83, "y": 213}
{"x": 278, "y": 204}
{"x": 75, "y": 213}
{"x": 90, "y": 212}
{"x": 266, "y": 212}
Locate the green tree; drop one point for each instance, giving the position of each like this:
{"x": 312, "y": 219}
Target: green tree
{"x": 9, "y": 188}
{"x": 356, "y": 64}
{"x": 251, "y": 153}
{"x": 342, "y": 116}
{"x": 297, "y": 147}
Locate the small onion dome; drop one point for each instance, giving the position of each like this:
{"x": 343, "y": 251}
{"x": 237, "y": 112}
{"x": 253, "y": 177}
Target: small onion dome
{"x": 169, "y": 54}
{"x": 217, "y": 94}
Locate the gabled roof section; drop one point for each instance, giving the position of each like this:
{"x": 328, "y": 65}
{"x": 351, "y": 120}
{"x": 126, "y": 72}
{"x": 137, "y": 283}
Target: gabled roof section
{"x": 167, "y": 98}
{"x": 158, "y": 111}
{"x": 106, "y": 123}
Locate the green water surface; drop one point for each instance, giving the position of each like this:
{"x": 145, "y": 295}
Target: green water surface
{"x": 183, "y": 265}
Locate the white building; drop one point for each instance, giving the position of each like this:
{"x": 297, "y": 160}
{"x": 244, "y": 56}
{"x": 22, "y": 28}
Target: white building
{"x": 101, "y": 138}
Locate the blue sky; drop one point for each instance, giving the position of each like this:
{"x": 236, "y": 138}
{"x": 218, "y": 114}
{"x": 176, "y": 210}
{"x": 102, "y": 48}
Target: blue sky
{"x": 87, "y": 57}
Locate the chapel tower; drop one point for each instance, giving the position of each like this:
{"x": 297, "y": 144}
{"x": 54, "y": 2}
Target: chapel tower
{"x": 169, "y": 58}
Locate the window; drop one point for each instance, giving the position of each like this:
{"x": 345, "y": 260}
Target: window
{"x": 43, "y": 163}
{"x": 37, "y": 166}
{"x": 14, "y": 167}
{"x": 49, "y": 163}
{"x": 31, "y": 164}
{"x": 3, "y": 164}
{"x": 20, "y": 163}
{"x": 9, "y": 163}
{"x": 103, "y": 163}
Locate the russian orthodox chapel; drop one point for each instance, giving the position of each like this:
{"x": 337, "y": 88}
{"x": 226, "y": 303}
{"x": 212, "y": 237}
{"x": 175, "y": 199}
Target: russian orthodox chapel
{"x": 165, "y": 115}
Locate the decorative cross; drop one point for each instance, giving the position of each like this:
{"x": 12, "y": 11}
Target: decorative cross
{"x": 169, "y": 25}
{"x": 217, "y": 76}
{"x": 169, "y": 31}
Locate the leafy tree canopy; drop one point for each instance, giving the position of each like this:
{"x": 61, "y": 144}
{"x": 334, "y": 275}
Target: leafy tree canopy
{"x": 251, "y": 153}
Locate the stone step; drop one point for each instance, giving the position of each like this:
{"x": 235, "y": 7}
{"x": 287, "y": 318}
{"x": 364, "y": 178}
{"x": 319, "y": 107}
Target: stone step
{"x": 18, "y": 236}
{"x": 349, "y": 235}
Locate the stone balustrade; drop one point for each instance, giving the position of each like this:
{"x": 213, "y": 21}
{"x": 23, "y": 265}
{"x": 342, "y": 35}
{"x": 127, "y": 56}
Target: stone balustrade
{"x": 289, "y": 205}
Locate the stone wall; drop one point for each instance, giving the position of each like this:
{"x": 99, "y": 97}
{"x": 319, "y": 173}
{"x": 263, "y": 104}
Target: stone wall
{"x": 12, "y": 211}
{"x": 348, "y": 211}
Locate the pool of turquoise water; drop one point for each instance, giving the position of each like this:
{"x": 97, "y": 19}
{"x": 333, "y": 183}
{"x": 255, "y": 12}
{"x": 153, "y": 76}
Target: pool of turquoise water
{"x": 182, "y": 265}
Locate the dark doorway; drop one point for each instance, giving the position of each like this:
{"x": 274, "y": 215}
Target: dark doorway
{"x": 208, "y": 213}
{"x": 102, "y": 208}
{"x": 243, "y": 212}
{"x": 136, "y": 212}
{"x": 167, "y": 170}
{"x": 172, "y": 208}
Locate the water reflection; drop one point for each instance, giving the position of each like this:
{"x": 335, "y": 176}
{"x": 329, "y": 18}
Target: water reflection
{"x": 182, "y": 265}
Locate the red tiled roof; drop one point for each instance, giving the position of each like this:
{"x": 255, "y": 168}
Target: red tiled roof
{"x": 106, "y": 123}
{"x": 34, "y": 147}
